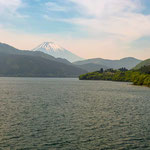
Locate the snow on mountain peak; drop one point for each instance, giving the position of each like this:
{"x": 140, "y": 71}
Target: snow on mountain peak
{"x": 57, "y": 51}
{"x": 50, "y": 46}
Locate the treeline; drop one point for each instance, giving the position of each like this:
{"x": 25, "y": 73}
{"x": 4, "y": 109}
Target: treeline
{"x": 138, "y": 77}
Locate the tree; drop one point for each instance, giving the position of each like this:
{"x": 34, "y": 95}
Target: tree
{"x": 101, "y": 70}
{"x": 123, "y": 69}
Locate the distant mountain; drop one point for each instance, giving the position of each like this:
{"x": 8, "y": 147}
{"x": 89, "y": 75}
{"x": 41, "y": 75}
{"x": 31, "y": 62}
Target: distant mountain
{"x": 57, "y": 51}
{"x": 142, "y": 64}
{"x": 91, "y": 67}
{"x": 14, "y": 62}
{"x": 128, "y": 62}
{"x": 5, "y": 48}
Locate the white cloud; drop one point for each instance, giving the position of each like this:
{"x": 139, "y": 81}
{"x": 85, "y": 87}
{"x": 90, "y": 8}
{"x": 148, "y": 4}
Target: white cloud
{"x": 55, "y": 7}
{"x": 10, "y": 7}
{"x": 119, "y": 18}
{"x": 111, "y": 24}
{"x": 127, "y": 28}
{"x": 103, "y": 8}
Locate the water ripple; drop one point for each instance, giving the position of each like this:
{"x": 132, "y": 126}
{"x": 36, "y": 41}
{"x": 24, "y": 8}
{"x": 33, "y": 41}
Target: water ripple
{"x": 68, "y": 114}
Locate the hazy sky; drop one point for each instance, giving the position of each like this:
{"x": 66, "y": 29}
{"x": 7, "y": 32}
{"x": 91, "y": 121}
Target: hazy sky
{"x": 90, "y": 28}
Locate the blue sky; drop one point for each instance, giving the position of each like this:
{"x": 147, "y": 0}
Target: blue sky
{"x": 90, "y": 28}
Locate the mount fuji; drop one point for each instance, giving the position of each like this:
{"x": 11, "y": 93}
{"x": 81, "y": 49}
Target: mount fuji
{"x": 57, "y": 51}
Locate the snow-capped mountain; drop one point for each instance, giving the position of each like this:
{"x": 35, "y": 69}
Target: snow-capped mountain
{"x": 57, "y": 51}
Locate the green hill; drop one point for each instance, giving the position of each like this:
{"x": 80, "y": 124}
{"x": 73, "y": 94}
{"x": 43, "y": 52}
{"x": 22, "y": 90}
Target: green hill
{"x": 142, "y": 64}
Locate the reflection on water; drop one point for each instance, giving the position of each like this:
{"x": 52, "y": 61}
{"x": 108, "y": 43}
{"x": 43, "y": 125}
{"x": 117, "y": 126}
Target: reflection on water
{"x": 68, "y": 114}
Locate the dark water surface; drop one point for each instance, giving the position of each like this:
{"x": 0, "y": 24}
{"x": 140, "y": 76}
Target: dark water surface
{"x": 68, "y": 114}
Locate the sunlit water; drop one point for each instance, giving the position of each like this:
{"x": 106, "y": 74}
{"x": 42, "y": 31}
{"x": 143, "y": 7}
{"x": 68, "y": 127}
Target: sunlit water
{"x": 68, "y": 114}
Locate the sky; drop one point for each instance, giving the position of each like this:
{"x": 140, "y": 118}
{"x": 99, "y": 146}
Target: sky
{"x": 110, "y": 29}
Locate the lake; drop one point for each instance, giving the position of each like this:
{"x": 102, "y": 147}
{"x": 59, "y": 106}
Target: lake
{"x": 68, "y": 114}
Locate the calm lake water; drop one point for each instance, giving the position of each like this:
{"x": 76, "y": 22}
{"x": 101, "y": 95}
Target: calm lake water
{"x": 68, "y": 114}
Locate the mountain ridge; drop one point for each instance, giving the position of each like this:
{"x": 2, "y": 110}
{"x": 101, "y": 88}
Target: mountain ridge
{"x": 14, "y": 62}
{"x": 127, "y": 62}
{"x": 88, "y": 65}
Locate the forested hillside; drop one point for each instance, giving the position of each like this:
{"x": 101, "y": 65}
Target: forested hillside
{"x": 138, "y": 77}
